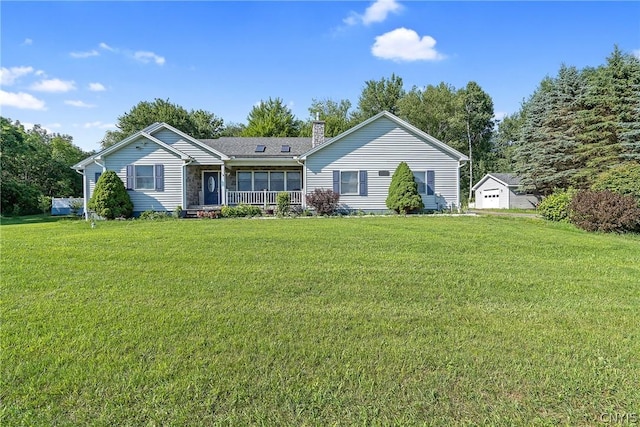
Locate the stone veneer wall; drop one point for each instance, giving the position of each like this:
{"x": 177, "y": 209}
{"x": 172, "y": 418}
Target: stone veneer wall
{"x": 194, "y": 183}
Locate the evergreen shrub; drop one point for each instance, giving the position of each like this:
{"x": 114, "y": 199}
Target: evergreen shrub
{"x": 323, "y": 200}
{"x": 283, "y": 203}
{"x": 403, "y": 192}
{"x": 605, "y": 211}
{"x": 110, "y": 199}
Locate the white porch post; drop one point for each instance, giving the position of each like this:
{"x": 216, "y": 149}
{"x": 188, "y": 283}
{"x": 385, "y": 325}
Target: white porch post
{"x": 304, "y": 185}
{"x": 223, "y": 185}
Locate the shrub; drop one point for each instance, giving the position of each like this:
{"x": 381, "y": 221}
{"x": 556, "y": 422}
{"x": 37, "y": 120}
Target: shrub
{"x": 110, "y": 199}
{"x": 403, "y": 192}
{"x": 623, "y": 179}
{"x": 178, "y": 212}
{"x": 44, "y": 203}
{"x": 75, "y": 205}
{"x": 324, "y": 201}
{"x": 283, "y": 203}
{"x": 605, "y": 211}
{"x": 207, "y": 214}
{"x": 240, "y": 211}
{"x": 555, "y": 207}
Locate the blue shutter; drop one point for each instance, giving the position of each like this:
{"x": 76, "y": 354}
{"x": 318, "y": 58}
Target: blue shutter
{"x": 159, "y": 177}
{"x": 336, "y": 181}
{"x": 431, "y": 183}
{"x": 97, "y": 177}
{"x": 363, "y": 183}
{"x": 130, "y": 177}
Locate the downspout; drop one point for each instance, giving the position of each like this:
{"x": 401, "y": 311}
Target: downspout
{"x": 84, "y": 194}
{"x": 304, "y": 182}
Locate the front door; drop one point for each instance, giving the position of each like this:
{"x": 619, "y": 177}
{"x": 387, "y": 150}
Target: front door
{"x": 211, "y": 182}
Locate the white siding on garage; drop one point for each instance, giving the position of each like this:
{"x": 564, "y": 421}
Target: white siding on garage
{"x": 201, "y": 155}
{"x": 149, "y": 153}
{"x": 381, "y": 146}
{"x": 488, "y": 187}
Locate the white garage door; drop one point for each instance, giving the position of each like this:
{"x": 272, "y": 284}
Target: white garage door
{"x": 491, "y": 199}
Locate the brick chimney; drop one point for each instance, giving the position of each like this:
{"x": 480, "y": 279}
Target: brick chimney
{"x": 317, "y": 132}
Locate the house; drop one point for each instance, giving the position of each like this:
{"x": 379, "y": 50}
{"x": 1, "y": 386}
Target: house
{"x": 163, "y": 168}
{"x": 502, "y": 191}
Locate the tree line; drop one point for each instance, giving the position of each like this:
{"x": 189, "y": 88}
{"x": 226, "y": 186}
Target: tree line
{"x": 576, "y": 126}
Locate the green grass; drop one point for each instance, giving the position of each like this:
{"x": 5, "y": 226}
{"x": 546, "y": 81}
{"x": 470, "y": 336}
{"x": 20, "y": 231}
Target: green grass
{"x": 373, "y": 321}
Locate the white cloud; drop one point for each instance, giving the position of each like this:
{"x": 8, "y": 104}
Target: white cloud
{"x": 98, "y": 125}
{"x": 8, "y": 76}
{"x": 54, "y": 85}
{"x": 636, "y": 53}
{"x": 27, "y": 42}
{"x": 97, "y": 87}
{"x": 40, "y": 73}
{"x": 403, "y": 44}
{"x": 87, "y": 54}
{"x": 376, "y": 12}
{"x": 22, "y": 100}
{"x": 79, "y": 104}
{"x": 146, "y": 57}
{"x": 106, "y": 47}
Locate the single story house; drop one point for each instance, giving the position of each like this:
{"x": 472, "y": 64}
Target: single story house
{"x": 502, "y": 191}
{"x": 163, "y": 168}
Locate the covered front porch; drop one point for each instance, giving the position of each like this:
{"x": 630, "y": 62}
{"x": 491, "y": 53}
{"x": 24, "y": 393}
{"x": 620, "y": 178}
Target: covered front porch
{"x": 210, "y": 187}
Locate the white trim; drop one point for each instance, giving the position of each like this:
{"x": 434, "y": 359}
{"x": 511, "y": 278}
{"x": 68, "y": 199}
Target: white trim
{"x": 487, "y": 176}
{"x": 223, "y": 184}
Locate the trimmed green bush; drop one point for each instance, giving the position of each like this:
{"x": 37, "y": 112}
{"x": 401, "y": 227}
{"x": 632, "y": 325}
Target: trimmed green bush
{"x": 605, "y": 211}
{"x": 323, "y": 200}
{"x": 240, "y": 211}
{"x": 555, "y": 207}
{"x": 623, "y": 179}
{"x": 283, "y": 203}
{"x": 403, "y": 192}
{"x": 110, "y": 199}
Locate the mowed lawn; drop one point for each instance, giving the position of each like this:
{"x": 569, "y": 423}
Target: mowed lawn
{"x": 426, "y": 320}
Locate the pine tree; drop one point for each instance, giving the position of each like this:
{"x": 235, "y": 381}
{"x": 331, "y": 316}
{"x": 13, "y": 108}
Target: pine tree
{"x": 403, "y": 191}
{"x": 110, "y": 199}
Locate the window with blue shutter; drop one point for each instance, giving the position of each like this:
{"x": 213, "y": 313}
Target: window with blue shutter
{"x": 431, "y": 183}
{"x": 363, "y": 183}
{"x": 97, "y": 177}
{"x": 130, "y": 177}
{"x": 336, "y": 181}
{"x": 159, "y": 174}
{"x": 420, "y": 181}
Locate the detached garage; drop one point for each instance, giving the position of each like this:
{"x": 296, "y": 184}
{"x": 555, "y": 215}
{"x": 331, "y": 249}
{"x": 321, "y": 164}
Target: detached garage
{"x": 502, "y": 191}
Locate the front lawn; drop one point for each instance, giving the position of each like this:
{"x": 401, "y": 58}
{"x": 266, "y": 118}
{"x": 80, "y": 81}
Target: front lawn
{"x": 372, "y": 321}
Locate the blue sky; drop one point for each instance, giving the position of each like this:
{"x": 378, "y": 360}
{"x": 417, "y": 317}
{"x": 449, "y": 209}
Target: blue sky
{"x": 74, "y": 67}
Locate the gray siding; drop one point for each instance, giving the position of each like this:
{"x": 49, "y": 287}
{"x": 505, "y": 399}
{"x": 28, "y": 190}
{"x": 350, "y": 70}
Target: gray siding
{"x": 381, "y": 146}
{"x": 200, "y": 154}
{"x": 149, "y": 154}
{"x": 522, "y": 201}
{"x": 90, "y": 177}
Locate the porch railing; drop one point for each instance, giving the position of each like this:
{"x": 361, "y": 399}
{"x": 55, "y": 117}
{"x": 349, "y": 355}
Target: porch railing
{"x": 260, "y": 198}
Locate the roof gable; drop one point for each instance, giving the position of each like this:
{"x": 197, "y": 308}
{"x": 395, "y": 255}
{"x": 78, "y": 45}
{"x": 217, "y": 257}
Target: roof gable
{"x": 189, "y": 138}
{"x": 128, "y": 140}
{"x": 506, "y": 179}
{"x": 403, "y": 124}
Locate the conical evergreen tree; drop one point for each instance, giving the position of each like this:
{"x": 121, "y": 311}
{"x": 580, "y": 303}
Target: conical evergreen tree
{"x": 403, "y": 191}
{"x": 110, "y": 199}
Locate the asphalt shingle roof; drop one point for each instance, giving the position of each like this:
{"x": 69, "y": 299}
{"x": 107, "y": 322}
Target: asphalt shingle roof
{"x": 245, "y": 147}
{"x": 507, "y": 178}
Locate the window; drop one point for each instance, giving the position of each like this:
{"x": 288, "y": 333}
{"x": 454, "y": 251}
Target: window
{"x": 144, "y": 177}
{"x": 269, "y": 180}
{"x": 420, "y": 180}
{"x": 244, "y": 181}
{"x": 260, "y": 181}
{"x": 348, "y": 182}
{"x": 294, "y": 181}
{"x": 285, "y": 149}
{"x": 276, "y": 181}
{"x": 260, "y": 148}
